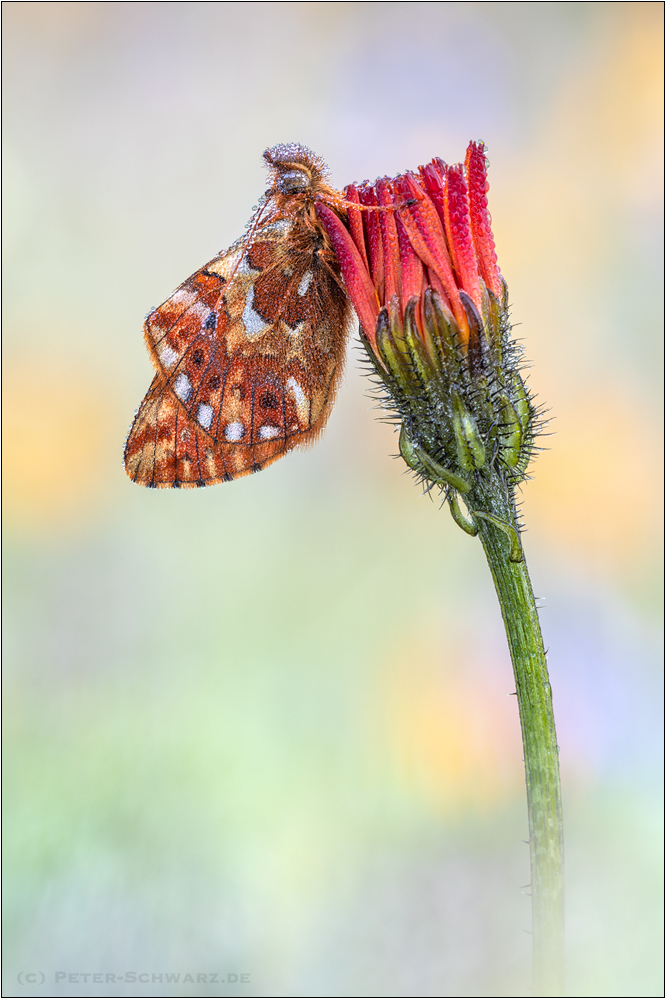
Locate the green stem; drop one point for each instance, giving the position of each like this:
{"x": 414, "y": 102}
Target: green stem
{"x": 542, "y": 775}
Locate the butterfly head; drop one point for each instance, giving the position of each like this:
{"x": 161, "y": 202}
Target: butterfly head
{"x": 295, "y": 169}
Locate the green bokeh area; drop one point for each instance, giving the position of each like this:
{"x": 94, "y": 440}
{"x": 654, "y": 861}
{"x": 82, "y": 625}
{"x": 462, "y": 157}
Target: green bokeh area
{"x": 267, "y": 729}
{"x": 203, "y": 768}
{"x": 201, "y": 771}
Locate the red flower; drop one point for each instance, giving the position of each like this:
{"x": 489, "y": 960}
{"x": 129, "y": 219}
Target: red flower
{"x": 432, "y": 230}
{"x": 418, "y": 260}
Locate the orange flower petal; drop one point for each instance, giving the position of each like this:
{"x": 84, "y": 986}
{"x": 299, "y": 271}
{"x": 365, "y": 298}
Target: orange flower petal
{"x": 390, "y": 245}
{"x": 426, "y": 235}
{"x": 373, "y": 237}
{"x": 484, "y": 244}
{"x": 355, "y": 219}
{"x": 458, "y": 233}
{"x": 413, "y": 273}
{"x": 354, "y": 270}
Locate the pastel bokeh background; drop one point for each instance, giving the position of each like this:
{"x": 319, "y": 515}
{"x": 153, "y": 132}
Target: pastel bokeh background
{"x": 267, "y": 728}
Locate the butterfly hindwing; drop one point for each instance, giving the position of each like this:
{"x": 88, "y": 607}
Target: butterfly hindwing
{"x": 164, "y": 449}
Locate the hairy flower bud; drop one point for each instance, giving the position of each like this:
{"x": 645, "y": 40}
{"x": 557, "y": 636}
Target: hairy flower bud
{"x": 418, "y": 259}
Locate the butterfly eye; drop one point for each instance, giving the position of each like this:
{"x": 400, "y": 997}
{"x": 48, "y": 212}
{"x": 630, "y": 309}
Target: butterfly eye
{"x": 293, "y": 180}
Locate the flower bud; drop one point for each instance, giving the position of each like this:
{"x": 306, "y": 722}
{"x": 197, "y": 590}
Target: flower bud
{"x": 418, "y": 258}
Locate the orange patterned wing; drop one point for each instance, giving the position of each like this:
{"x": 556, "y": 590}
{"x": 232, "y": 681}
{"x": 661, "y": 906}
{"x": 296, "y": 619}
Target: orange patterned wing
{"x": 167, "y": 450}
{"x": 248, "y": 352}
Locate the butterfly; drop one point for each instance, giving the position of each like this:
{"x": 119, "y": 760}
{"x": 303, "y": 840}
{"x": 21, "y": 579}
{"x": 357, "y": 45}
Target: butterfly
{"x": 248, "y": 351}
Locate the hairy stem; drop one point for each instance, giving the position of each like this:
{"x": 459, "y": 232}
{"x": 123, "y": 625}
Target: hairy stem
{"x": 542, "y": 775}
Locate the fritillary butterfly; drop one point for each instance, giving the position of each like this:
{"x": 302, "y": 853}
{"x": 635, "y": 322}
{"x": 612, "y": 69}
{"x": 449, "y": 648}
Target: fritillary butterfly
{"x": 248, "y": 351}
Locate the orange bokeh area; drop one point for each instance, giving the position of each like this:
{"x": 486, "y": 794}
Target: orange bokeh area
{"x": 57, "y": 444}
{"x": 452, "y": 727}
{"x": 597, "y": 488}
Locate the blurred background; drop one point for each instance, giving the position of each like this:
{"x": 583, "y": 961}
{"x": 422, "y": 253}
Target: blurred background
{"x": 266, "y": 728}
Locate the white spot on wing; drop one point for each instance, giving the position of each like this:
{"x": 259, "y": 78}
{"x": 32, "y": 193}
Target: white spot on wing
{"x": 244, "y": 267}
{"x": 300, "y": 398}
{"x": 305, "y": 283}
{"x": 183, "y": 387}
{"x": 267, "y": 432}
{"x": 234, "y": 431}
{"x": 254, "y": 324}
{"x": 282, "y": 227}
{"x": 205, "y": 415}
{"x": 168, "y": 357}
{"x": 182, "y": 297}
{"x": 209, "y": 323}
{"x": 201, "y": 311}
{"x": 225, "y": 265}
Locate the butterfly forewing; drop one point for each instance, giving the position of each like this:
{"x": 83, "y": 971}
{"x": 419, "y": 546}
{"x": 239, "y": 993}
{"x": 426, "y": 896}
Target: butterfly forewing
{"x": 248, "y": 352}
